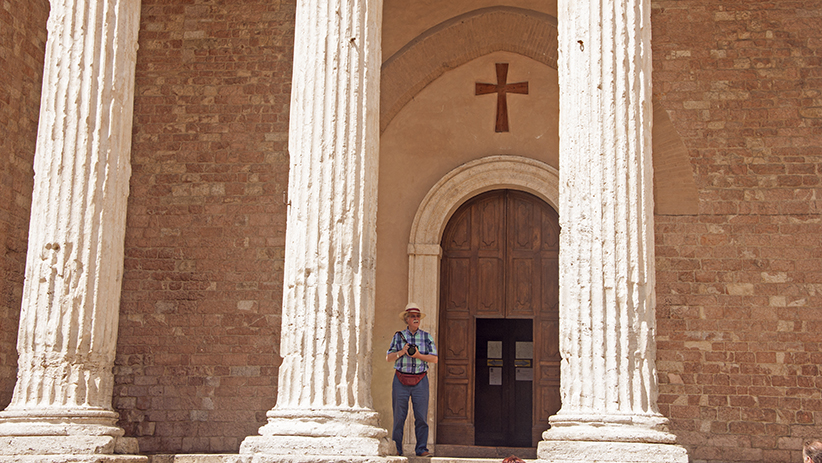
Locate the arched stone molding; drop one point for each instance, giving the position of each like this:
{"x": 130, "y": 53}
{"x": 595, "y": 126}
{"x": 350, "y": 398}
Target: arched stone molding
{"x": 459, "y": 40}
{"x": 466, "y": 37}
{"x": 475, "y": 177}
{"x": 458, "y": 186}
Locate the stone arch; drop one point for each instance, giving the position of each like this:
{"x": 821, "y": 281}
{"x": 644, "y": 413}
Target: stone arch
{"x": 456, "y": 187}
{"x": 463, "y": 38}
{"x": 459, "y": 40}
{"x": 475, "y": 177}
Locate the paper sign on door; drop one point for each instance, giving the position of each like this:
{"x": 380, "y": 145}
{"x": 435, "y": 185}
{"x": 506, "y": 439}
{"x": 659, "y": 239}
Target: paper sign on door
{"x": 494, "y": 349}
{"x": 525, "y": 350}
{"x": 495, "y": 376}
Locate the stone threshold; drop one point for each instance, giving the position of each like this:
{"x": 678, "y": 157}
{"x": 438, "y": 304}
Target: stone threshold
{"x": 474, "y": 451}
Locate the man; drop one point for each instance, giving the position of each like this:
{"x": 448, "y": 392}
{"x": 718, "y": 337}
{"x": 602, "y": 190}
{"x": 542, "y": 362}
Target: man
{"x": 411, "y": 350}
{"x": 812, "y": 452}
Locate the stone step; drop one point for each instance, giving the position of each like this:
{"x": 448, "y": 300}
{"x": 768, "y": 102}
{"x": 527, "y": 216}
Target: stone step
{"x": 197, "y": 458}
{"x": 234, "y": 458}
{"x": 457, "y": 460}
{"x": 453, "y": 454}
{"x": 474, "y": 452}
{"x": 443, "y": 454}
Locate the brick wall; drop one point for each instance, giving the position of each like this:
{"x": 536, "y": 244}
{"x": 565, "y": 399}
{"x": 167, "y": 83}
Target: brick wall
{"x": 740, "y": 285}
{"x": 22, "y": 48}
{"x": 739, "y": 311}
{"x": 197, "y": 355}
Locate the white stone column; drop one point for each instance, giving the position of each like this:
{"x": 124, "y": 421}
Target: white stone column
{"x": 324, "y": 410}
{"x": 607, "y": 328}
{"x": 71, "y": 296}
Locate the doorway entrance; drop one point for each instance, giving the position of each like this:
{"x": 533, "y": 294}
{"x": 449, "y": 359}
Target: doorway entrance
{"x": 499, "y": 274}
{"x": 504, "y": 375}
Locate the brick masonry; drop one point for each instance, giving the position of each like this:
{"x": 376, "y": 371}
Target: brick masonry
{"x": 740, "y": 285}
{"x": 22, "y": 50}
{"x": 197, "y": 355}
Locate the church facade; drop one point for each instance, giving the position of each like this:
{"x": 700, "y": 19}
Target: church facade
{"x": 214, "y": 211}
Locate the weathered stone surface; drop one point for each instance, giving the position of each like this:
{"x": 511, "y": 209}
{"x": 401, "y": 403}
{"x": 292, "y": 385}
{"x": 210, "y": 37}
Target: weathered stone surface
{"x": 322, "y": 459}
{"x": 195, "y": 458}
{"x": 342, "y": 446}
{"x": 76, "y": 459}
{"x": 607, "y": 315}
{"x": 611, "y": 452}
{"x": 52, "y": 445}
{"x": 68, "y": 324}
{"x": 324, "y": 389}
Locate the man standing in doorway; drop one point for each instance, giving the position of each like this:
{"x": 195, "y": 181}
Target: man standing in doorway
{"x": 411, "y": 350}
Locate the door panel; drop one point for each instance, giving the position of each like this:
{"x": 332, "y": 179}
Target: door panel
{"x": 456, "y": 278}
{"x": 500, "y": 261}
{"x": 503, "y": 396}
{"x": 489, "y": 272}
{"x": 456, "y": 330}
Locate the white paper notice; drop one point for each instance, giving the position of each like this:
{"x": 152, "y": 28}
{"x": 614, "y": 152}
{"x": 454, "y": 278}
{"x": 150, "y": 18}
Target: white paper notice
{"x": 494, "y": 349}
{"x": 525, "y": 350}
{"x": 525, "y": 374}
{"x": 495, "y": 376}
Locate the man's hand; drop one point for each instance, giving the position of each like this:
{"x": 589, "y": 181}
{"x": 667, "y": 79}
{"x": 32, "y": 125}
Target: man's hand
{"x": 399, "y": 353}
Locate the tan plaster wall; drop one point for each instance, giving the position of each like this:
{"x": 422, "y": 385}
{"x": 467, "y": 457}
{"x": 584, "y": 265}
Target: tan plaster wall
{"x": 444, "y": 126}
{"x": 404, "y": 20}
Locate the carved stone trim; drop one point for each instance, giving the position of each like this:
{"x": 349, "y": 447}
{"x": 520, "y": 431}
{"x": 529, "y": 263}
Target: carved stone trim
{"x": 444, "y": 198}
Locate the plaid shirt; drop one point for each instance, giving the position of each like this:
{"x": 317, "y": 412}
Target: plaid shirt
{"x": 424, "y": 343}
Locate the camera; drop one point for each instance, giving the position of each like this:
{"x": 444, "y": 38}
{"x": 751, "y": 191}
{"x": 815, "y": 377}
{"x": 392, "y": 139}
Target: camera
{"x": 412, "y": 348}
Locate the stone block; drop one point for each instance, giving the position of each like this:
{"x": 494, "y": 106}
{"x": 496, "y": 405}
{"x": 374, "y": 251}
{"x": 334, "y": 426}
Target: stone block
{"x": 74, "y": 459}
{"x": 348, "y": 447}
{"x": 56, "y": 445}
{"x": 609, "y": 452}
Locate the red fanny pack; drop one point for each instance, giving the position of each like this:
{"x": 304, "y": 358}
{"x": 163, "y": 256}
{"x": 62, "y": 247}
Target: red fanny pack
{"x": 410, "y": 379}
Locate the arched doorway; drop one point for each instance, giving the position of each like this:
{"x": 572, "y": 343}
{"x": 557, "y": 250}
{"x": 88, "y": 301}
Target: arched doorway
{"x": 498, "y": 319}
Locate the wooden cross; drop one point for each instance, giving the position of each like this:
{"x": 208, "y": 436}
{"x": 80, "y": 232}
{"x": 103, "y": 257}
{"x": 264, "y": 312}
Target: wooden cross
{"x": 501, "y": 89}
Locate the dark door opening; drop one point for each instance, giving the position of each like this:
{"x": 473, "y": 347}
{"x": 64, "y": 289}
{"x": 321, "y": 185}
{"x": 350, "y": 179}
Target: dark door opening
{"x": 504, "y": 382}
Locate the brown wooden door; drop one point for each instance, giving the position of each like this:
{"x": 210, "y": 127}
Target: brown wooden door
{"x": 500, "y": 260}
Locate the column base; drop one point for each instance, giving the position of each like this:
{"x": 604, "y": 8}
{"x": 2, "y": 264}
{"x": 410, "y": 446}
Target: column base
{"x": 275, "y": 449}
{"x": 64, "y": 435}
{"x": 610, "y": 439}
{"x": 61, "y": 445}
{"x": 609, "y": 428}
{"x": 59, "y": 422}
{"x": 74, "y": 459}
{"x": 610, "y": 452}
{"x": 321, "y": 436}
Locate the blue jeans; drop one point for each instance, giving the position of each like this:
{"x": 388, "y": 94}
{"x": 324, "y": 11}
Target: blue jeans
{"x": 419, "y": 399}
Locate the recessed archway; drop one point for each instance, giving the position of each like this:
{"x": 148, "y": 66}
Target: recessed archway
{"x": 442, "y": 200}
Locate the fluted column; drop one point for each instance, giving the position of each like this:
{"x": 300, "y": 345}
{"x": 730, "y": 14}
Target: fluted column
{"x": 607, "y": 317}
{"x": 324, "y": 391}
{"x": 68, "y": 323}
